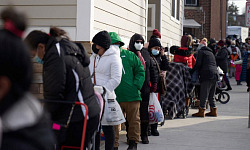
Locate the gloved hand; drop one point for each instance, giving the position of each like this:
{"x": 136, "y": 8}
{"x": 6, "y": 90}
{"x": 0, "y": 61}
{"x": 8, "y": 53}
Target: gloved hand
{"x": 153, "y": 87}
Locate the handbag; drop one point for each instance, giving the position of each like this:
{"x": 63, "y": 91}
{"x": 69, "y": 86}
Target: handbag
{"x": 112, "y": 111}
{"x": 154, "y": 110}
{"x": 162, "y": 76}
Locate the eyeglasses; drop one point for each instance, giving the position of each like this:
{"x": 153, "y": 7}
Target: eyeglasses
{"x": 138, "y": 42}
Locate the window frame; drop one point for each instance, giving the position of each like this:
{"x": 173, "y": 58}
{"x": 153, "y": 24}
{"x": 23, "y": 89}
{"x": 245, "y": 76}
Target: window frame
{"x": 196, "y": 3}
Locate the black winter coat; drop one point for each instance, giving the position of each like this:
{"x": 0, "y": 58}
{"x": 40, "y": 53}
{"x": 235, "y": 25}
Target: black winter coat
{"x": 150, "y": 74}
{"x": 163, "y": 64}
{"x": 205, "y": 64}
{"x": 221, "y": 59}
{"x": 60, "y": 81}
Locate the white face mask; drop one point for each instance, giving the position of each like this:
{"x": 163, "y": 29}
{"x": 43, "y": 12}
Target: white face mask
{"x": 138, "y": 46}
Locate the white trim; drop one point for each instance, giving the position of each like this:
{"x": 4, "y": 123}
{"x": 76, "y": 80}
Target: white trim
{"x": 160, "y": 15}
{"x": 58, "y": 48}
{"x": 175, "y": 20}
{"x": 79, "y": 93}
{"x": 152, "y": 6}
{"x": 84, "y": 20}
{"x": 146, "y": 29}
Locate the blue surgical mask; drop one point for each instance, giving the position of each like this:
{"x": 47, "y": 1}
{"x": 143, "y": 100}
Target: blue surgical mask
{"x": 155, "y": 52}
{"x": 38, "y": 60}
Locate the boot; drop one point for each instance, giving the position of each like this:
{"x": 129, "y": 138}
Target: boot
{"x": 144, "y": 132}
{"x": 201, "y": 113}
{"x": 228, "y": 87}
{"x": 154, "y": 130}
{"x": 238, "y": 82}
{"x": 213, "y": 112}
{"x": 132, "y": 145}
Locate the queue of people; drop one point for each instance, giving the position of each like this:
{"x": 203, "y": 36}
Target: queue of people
{"x": 127, "y": 76}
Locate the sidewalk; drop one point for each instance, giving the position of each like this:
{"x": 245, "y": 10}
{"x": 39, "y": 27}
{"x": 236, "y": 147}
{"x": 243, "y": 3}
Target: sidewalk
{"x": 229, "y": 131}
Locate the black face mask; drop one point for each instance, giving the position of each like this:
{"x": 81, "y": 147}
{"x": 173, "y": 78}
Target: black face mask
{"x": 95, "y": 50}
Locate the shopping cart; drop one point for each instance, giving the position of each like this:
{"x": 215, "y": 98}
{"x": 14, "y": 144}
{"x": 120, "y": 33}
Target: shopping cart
{"x": 84, "y": 125}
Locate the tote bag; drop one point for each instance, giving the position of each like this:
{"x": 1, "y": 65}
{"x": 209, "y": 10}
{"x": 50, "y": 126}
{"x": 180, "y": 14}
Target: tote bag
{"x": 154, "y": 110}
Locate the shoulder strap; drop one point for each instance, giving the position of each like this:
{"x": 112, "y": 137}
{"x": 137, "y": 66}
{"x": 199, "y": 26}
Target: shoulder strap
{"x": 94, "y": 71}
{"x": 157, "y": 64}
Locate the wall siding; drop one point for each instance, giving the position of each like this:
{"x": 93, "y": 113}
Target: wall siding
{"x": 125, "y": 19}
{"x": 44, "y": 13}
{"x": 171, "y": 29}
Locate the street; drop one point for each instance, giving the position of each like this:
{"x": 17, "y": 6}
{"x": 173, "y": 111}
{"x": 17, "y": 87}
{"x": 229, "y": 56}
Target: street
{"x": 227, "y": 131}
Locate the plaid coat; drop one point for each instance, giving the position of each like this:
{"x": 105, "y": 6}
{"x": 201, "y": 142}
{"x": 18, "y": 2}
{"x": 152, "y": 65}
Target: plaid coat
{"x": 179, "y": 87}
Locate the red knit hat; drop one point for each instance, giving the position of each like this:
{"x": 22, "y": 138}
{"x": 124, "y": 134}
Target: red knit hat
{"x": 221, "y": 43}
{"x": 156, "y": 33}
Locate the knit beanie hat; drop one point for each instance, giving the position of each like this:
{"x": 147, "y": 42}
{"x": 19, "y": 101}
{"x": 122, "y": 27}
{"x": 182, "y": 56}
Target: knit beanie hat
{"x": 154, "y": 42}
{"x": 221, "y": 43}
{"x": 102, "y": 39}
{"x": 156, "y": 33}
{"x": 212, "y": 41}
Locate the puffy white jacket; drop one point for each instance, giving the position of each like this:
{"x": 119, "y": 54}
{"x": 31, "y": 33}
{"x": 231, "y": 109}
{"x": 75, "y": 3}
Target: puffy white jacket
{"x": 108, "y": 69}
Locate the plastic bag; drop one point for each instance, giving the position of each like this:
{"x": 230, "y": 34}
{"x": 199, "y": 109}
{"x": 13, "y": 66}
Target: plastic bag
{"x": 154, "y": 109}
{"x": 112, "y": 111}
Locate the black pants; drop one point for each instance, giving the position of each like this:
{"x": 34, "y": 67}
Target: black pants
{"x": 72, "y": 136}
{"x": 248, "y": 77}
{"x": 109, "y": 134}
{"x": 207, "y": 91}
{"x": 144, "y": 107}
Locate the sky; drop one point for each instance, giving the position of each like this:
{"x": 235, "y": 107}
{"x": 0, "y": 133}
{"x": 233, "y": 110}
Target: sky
{"x": 240, "y": 3}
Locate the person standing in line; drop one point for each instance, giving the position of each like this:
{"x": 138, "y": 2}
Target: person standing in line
{"x": 161, "y": 64}
{"x": 234, "y": 55}
{"x": 245, "y": 72}
{"x": 24, "y": 123}
{"x": 207, "y": 69}
{"x": 128, "y": 92}
{"x": 149, "y": 85}
{"x": 66, "y": 78}
{"x": 221, "y": 60}
{"x": 106, "y": 69}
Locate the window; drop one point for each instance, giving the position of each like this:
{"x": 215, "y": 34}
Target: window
{"x": 151, "y": 17}
{"x": 176, "y": 9}
{"x": 191, "y": 2}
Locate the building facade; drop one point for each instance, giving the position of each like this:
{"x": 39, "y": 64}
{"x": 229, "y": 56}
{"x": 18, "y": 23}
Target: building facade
{"x": 210, "y": 15}
{"x": 82, "y": 19}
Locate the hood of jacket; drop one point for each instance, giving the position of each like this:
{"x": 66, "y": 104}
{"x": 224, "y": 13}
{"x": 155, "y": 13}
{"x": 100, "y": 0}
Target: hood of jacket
{"x": 113, "y": 50}
{"x": 115, "y": 38}
{"x": 134, "y": 38}
{"x": 70, "y": 48}
{"x": 205, "y": 48}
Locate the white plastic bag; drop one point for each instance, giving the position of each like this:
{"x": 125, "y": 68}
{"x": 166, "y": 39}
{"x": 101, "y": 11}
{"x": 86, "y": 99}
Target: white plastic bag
{"x": 112, "y": 112}
{"x": 154, "y": 109}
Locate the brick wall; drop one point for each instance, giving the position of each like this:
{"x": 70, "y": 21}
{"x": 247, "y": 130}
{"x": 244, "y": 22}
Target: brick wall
{"x": 210, "y": 16}
{"x": 37, "y": 86}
